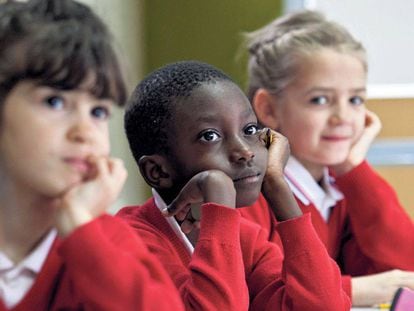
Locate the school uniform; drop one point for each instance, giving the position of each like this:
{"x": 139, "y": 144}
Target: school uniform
{"x": 234, "y": 267}
{"x": 358, "y": 218}
{"x": 102, "y": 265}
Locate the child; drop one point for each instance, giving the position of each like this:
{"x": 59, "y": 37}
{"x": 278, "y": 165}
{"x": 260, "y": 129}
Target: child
{"x": 196, "y": 140}
{"x": 59, "y": 79}
{"x": 307, "y": 79}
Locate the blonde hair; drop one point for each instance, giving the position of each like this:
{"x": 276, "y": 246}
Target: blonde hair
{"x": 275, "y": 49}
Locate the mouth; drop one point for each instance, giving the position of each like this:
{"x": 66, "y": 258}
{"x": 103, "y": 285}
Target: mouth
{"x": 78, "y": 164}
{"x": 336, "y": 138}
{"x": 248, "y": 178}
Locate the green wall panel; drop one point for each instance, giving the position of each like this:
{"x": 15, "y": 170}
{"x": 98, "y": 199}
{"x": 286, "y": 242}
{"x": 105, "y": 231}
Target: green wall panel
{"x": 208, "y": 30}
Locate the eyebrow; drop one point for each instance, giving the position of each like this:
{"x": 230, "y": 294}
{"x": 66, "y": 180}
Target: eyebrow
{"x": 212, "y": 117}
{"x": 328, "y": 89}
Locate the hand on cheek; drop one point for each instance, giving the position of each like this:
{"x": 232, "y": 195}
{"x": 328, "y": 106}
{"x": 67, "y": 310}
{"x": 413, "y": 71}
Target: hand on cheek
{"x": 208, "y": 186}
{"x": 90, "y": 198}
{"x": 360, "y": 148}
{"x": 279, "y": 152}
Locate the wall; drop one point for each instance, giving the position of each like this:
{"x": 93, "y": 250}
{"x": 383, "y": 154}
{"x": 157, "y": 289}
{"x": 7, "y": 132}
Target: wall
{"x": 209, "y": 31}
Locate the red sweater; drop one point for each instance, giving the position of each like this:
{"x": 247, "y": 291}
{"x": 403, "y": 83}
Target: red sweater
{"x": 103, "y": 265}
{"x": 367, "y": 232}
{"x": 235, "y": 267}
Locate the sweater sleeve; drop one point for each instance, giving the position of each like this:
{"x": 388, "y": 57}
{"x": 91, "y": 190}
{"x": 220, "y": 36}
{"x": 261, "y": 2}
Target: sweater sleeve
{"x": 111, "y": 269}
{"x": 212, "y": 278}
{"x": 305, "y": 279}
{"x": 381, "y": 234}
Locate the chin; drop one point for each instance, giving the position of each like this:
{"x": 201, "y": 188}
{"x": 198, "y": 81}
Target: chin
{"x": 247, "y": 200}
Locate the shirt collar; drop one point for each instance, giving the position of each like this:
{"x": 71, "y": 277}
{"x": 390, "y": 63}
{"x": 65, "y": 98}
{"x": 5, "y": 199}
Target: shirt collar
{"x": 307, "y": 190}
{"x": 159, "y": 202}
{"x": 34, "y": 261}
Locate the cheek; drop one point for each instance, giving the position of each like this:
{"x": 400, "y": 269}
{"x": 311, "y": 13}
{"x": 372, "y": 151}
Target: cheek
{"x": 102, "y": 142}
{"x": 359, "y": 125}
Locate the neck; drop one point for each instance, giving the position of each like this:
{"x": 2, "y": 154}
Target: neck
{"x": 315, "y": 170}
{"x": 24, "y": 221}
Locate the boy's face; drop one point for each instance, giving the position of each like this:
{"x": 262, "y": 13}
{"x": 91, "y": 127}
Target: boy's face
{"x": 216, "y": 128}
{"x": 322, "y": 111}
{"x": 47, "y": 136}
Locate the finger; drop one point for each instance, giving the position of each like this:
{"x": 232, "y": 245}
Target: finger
{"x": 183, "y": 213}
{"x": 263, "y": 136}
{"x": 188, "y": 195}
{"x": 187, "y": 226}
{"x": 101, "y": 165}
{"x": 117, "y": 170}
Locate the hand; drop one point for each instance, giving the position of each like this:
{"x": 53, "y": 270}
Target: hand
{"x": 91, "y": 197}
{"x": 279, "y": 152}
{"x": 207, "y": 186}
{"x": 360, "y": 148}
{"x": 275, "y": 188}
{"x": 379, "y": 288}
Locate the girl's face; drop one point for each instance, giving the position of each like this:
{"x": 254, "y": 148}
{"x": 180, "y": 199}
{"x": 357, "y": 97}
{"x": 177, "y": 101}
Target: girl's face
{"x": 322, "y": 110}
{"x": 216, "y": 128}
{"x": 48, "y": 135}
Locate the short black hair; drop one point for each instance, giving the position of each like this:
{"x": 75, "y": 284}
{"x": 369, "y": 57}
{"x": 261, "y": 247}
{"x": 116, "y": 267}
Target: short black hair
{"x": 149, "y": 109}
{"x": 57, "y": 43}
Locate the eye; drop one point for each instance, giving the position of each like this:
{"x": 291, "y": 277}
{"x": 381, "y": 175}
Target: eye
{"x": 101, "y": 112}
{"x": 357, "y": 100}
{"x": 251, "y": 129}
{"x": 209, "y": 135}
{"x": 319, "y": 100}
{"x": 55, "y": 102}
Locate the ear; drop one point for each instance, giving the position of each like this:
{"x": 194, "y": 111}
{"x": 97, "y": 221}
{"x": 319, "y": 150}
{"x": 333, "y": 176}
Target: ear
{"x": 156, "y": 171}
{"x": 265, "y": 107}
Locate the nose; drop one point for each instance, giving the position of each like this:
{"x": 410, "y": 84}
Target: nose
{"x": 81, "y": 129}
{"x": 340, "y": 113}
{"x": 241, "y": 151}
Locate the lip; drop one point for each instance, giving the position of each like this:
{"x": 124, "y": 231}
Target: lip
{"x": 336, "y": 138}
{"x": 79, "y": 164}
{"x": 248, "y": 177}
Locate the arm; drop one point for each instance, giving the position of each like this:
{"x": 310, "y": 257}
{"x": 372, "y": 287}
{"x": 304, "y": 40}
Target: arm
{"x": 111, "y": 269}
{"x": 109, "y": 266}
{"x": 305, "y": 279}
{"x": 275, "y": 188}
{"x": 311, "y": 278}
{"x": 213, "y": 277}
{"x": 379, "y": 223}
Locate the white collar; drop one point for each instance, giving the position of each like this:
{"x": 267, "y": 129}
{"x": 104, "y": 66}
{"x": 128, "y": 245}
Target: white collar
{"x": 307, "y": 190}
{"x": 34, "y": 261}
{"x": 159, "y": 202}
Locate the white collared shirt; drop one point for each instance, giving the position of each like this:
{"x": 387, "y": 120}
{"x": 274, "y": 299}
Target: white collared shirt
{"x": 307, "y": 190}
{"x": 159, "y": 202}
{"x": 17, "y": 279}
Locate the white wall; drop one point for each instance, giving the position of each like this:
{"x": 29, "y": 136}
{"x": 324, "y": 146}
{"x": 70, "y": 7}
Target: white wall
{"x": 386, "y": 28}
{"x": 125, "y": 22}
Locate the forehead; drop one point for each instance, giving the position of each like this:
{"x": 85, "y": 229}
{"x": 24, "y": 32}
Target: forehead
{"x": 328, "y": 66}
{"x": 213, "y": 98}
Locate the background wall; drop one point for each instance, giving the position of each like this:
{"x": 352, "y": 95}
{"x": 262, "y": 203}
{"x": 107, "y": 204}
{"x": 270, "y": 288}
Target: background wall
{"x": 209, "y": 31}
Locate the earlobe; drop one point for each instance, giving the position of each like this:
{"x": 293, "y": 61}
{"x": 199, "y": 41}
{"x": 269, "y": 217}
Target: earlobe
{"x": 264, "y": 105}
{"x": 156, "y": 171}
